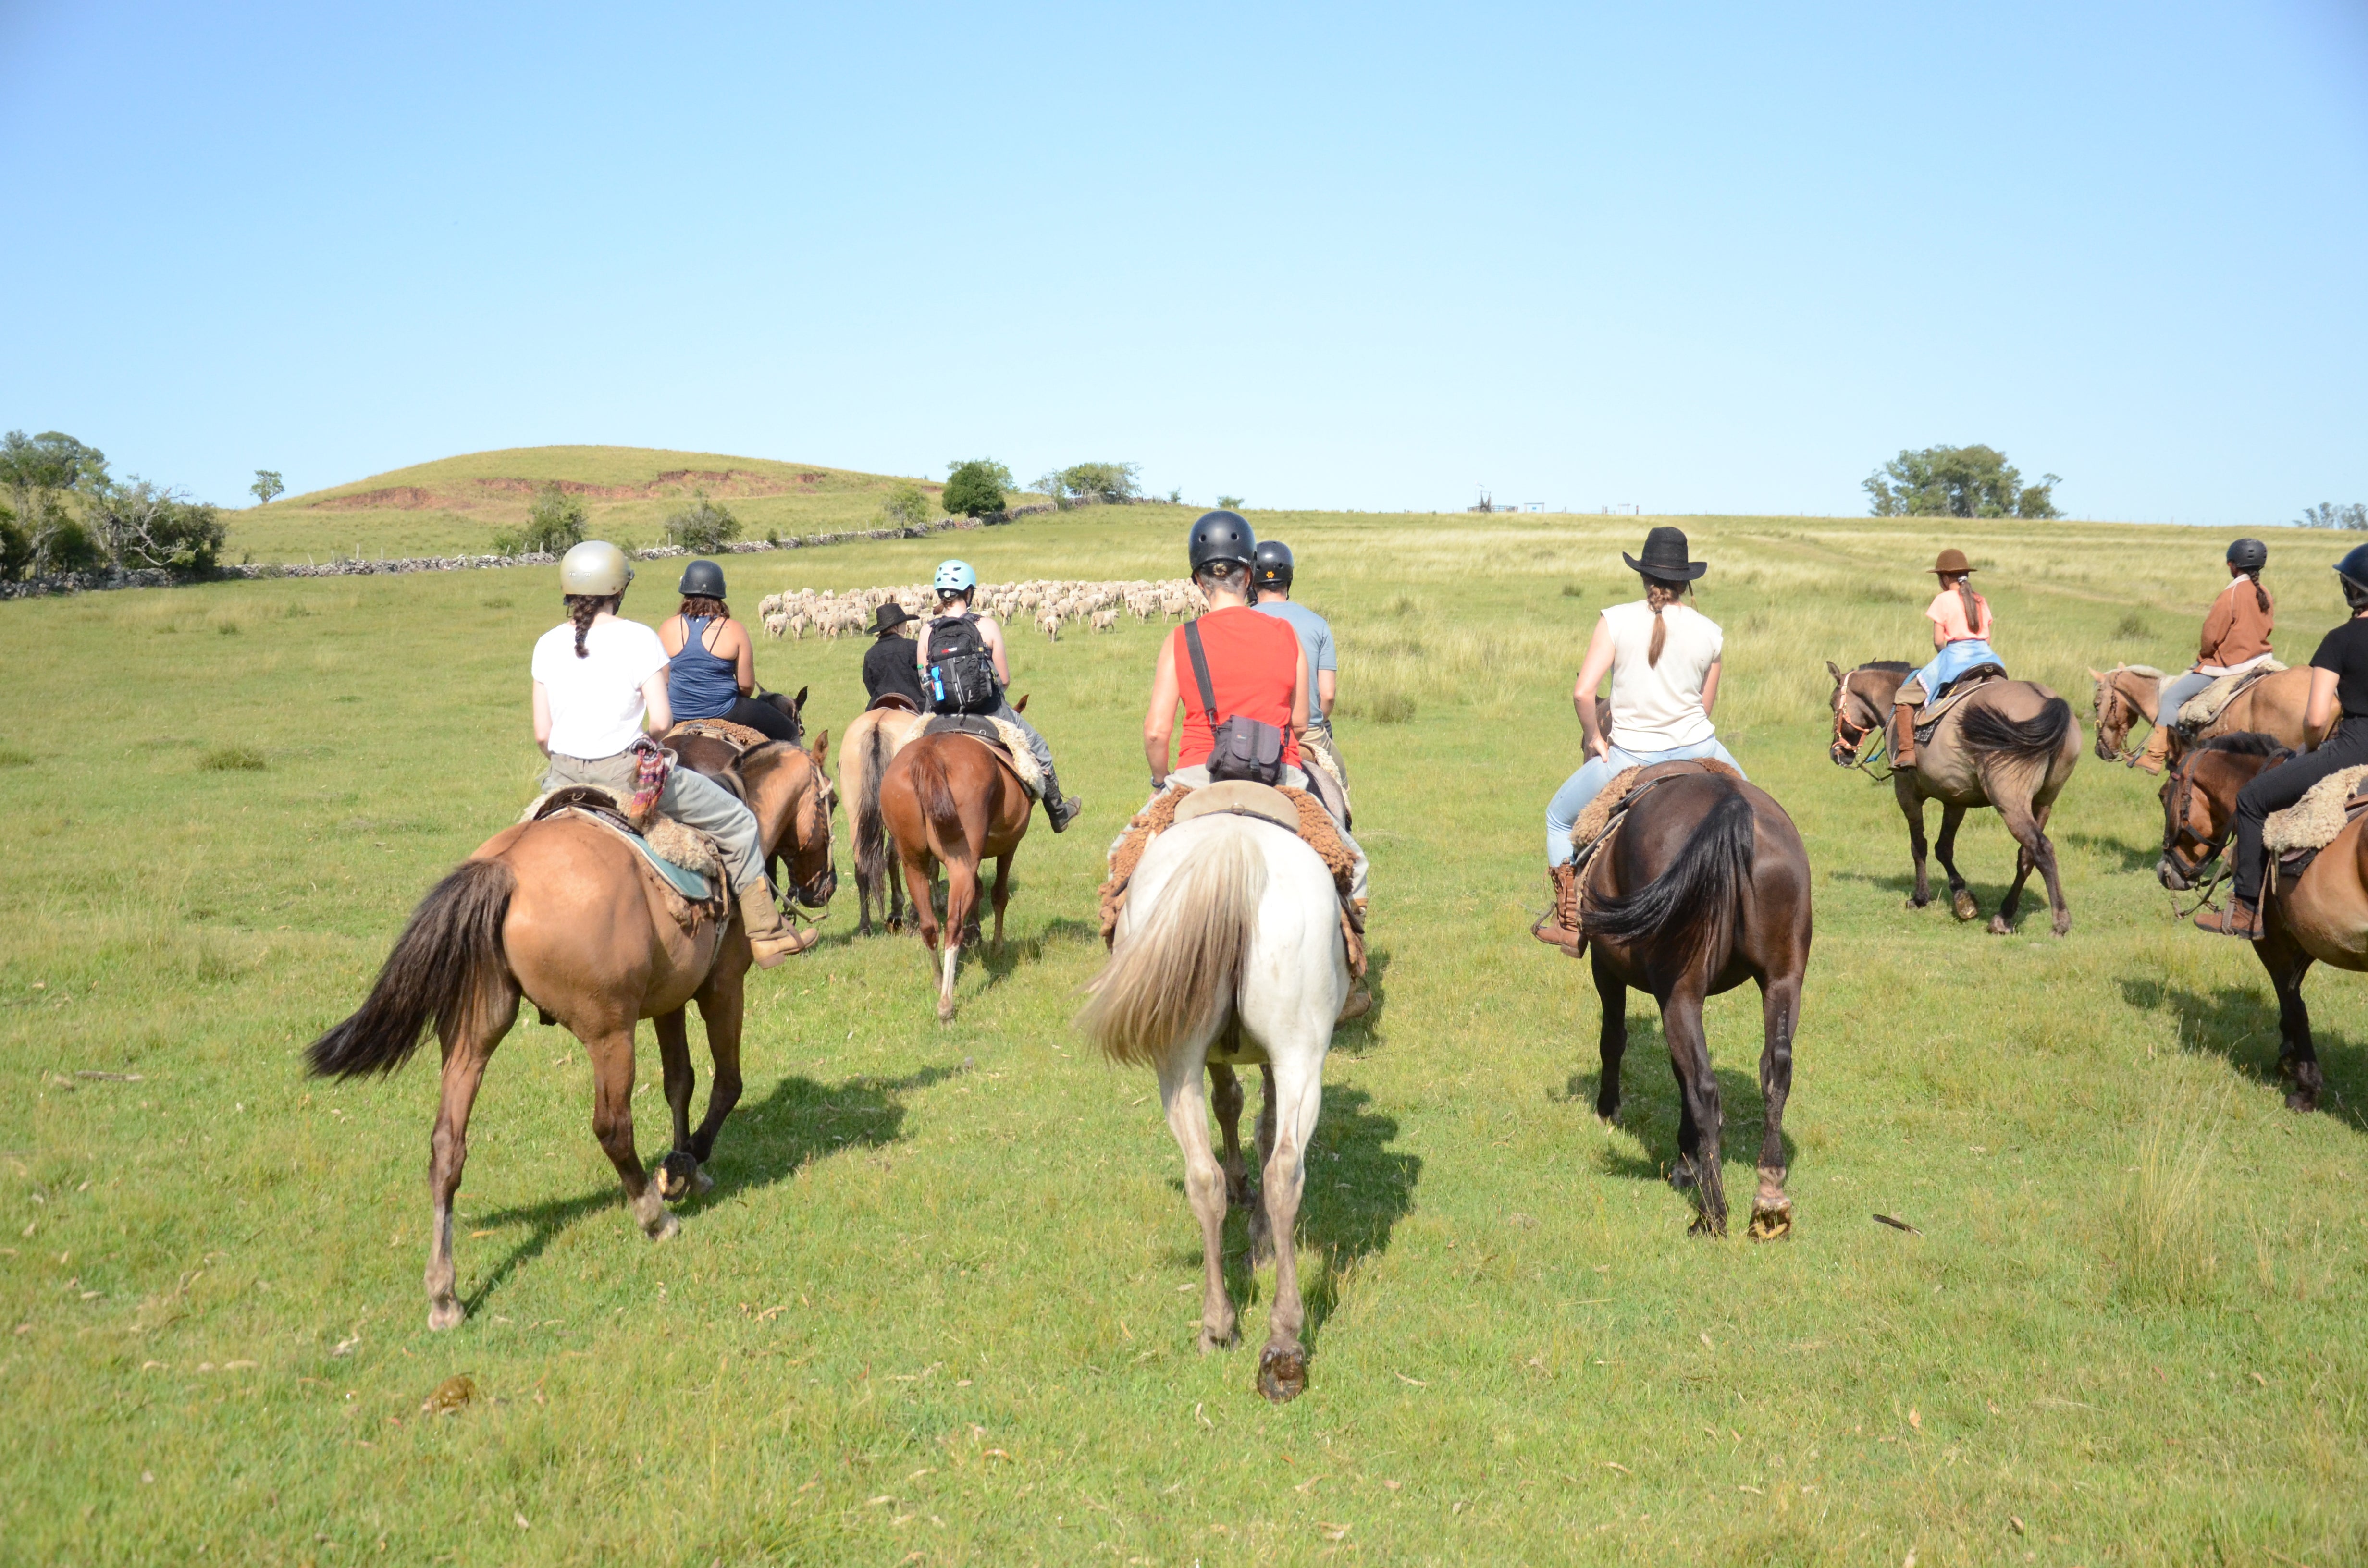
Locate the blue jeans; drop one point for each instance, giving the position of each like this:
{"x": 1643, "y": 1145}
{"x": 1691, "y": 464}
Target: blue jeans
{"x": 1583, "y": 786}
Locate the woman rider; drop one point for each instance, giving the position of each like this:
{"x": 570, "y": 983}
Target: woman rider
{"x": 712, "y": 664}
{"x": 2338, "y": 682}
{"x": 597, "y": 678}
{"x": 2235, "y": 637}
{"x": 1960, "y": 640}
{"x": 1663, "y": 657}
{"x": 955, "y": 584}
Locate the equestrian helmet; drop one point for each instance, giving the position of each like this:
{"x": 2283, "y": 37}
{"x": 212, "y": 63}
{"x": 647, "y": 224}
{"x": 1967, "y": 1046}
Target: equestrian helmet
{"x": 1271, "y": 567}
{"x": 955, "y": 578}
{"x": 701, "y": 579}
{"x": 1223, "y": 537}
{"x": 595, "y": 567}
{"x": 2353, "y": 569}
{"x": 2249, "y": 556}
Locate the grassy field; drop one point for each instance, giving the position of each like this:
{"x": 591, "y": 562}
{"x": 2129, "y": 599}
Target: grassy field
{"x": 941, "y": 1306}
{"x": 456, "y": 506}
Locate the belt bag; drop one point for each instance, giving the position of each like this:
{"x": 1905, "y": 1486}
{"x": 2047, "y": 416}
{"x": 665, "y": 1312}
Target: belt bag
{"x": 1245, "y": 748}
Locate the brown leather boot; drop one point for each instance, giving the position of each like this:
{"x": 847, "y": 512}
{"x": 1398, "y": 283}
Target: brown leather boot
{"x": 771, "y": 937}
{"x": 1903, "y": 735}
{"x": 2239, "y": 919}
{"x": 2156, "y": 752}
{"x": 1558, "y": 927}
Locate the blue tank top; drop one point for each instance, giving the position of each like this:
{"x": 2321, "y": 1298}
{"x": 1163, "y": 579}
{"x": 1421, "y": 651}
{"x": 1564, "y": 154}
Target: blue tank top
{"x": 699, "y": 685}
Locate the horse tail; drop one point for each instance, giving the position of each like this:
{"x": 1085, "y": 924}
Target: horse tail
{"x": 1697, "y": 896}
{"x": 2031, "y": 743}
{"x": 445, "y": 968}
{"x": 941, "y": 813}
{"x": 1175, "y": 979}
{"x": 870, "y": 832}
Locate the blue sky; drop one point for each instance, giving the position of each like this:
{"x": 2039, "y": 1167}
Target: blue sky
{"x": 1696, "y": 257}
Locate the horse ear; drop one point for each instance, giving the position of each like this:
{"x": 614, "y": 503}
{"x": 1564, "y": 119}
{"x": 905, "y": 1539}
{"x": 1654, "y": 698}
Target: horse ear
{"x": 2094, "y": 675}
{"x": 1834, "y": 670}
{"x": 821, "y": 748}
{"x": 800, "y": 699}
{"x": 1020, "y": 706}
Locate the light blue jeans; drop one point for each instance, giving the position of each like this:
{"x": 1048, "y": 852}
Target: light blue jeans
{"x": 1583, "y": 786}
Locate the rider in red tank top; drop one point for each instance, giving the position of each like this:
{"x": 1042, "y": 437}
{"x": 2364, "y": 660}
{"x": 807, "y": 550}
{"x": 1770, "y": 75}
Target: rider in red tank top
{"x": 1253, "y": 661}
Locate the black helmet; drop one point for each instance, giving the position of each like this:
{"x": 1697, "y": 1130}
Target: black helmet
{"x": 2353, "y": 569}
{"x": 1223, "y": 536}
{"x": 1271, "y": 568}
{"x": 2249, "y": 556}
{"x": 701, "y": 579}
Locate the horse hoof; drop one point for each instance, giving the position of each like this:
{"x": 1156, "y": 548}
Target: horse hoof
{"x": 2303, "y": 1101}
{"x": 1681, "y": 1177}
{"x": 665, "y": 1229}
{"x": 2062, "y": 927}
{"x": 1999, "y": 927}
{"x": 1212, "y": 1341}
{"x": 1283, "y": 1373}
{"x": 1771, "y": 1225}
{"x": 442, "y": 1315}
{"x": 1914, "y": 902}
{"x": 677, "y": 1177}
{"x": 1963, "y": 907}
{"x": 702, "y": 1184}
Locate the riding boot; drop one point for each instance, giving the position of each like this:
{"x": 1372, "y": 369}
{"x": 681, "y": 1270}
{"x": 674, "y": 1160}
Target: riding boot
{"x": 1059, "y": 810}
{"x": 1903, "y": 735}
{"x": 2239, "y": 919}
{"x": 1558, "y": 927}
{"x": 1360, "y": 1003}
{"x": 2156, "y": 752}
{"x": 771, "y": 937}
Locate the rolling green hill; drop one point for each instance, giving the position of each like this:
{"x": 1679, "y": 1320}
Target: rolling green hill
{"x": 455, "y": 505}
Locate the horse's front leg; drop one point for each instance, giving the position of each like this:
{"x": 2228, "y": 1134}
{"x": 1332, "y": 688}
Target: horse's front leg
{"x": 1962, "y": 902}
{"x": 1612, "y": 1042}
{"x": 1702, "y": 1127}
{"x": 1228, "y": 1098}
{"x": 448, "y": 1151}
{"x": 677, "y": 1171}
{"x": 1205, "y": 1189}
{"x": 1002, "y": 895}
{"x": 1779, "y": 1014}
{"x": 1911, "y": 806}
{"x": 2297, "y": 1057}
{"x": 1295, "y": 1093}
{"x": 722, "y": 1008}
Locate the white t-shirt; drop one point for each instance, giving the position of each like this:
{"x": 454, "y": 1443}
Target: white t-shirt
{"x": 1654, "y": 707}
{"x": 595, "y": 701}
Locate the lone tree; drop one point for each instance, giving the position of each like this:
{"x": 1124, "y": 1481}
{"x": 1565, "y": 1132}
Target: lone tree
{"x": 975, "y": 488}
{"x": 554, "y": 524}
{"x": 1958, "y": 481}
{"x": 702, "y": 528}
{"x": 907, "y": 506}
{"x": 265, "y": 486}
{"x": 1092, "y": 484}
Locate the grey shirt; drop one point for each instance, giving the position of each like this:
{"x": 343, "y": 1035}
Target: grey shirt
{"x": 1315, "y": 635}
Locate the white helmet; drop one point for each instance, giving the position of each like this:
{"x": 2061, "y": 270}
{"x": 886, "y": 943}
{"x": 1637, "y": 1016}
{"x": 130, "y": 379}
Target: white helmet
{"x": 596, "y": 566}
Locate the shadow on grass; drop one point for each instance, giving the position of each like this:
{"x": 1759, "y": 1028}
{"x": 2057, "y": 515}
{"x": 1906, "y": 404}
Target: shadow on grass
{"x": 2131, "y": 856}
{"x": 1649, "y": 1106}
{"x": 2239, "y": 1023}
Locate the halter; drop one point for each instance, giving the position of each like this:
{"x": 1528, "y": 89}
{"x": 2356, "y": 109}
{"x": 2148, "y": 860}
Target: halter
{"x": 821, "y": 797}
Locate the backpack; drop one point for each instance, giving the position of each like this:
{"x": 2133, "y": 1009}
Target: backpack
{"x": 1245, "y": 748}
{"x": 962, "y": 672}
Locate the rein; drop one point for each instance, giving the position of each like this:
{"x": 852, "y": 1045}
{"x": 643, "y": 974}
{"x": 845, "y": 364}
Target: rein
{"x": 1843, "y": 727}
{"x": 2182, "y": 804}
{"x": 2110, "y": 688}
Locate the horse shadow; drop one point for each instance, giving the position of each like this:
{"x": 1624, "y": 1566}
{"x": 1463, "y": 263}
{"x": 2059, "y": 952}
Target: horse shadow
{"x": 1355, "y": 1039}
{"x": 2131, "y": 856}
{"x": 1650, "y": 1107}
{"x": 1001, "y": 963}
{"x": 2239, "y": 1023}
{"x": 800, "y": 1122}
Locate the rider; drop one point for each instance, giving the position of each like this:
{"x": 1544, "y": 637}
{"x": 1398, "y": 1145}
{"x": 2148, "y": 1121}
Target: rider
{"x": 1961, "y": 633}
{"x": 888, "y": 668}
{"x": 956, "y": 632}
{"x": 1663, "y": 657}
{"x": 2338, "y": 682}
{"x": 1271, "y": 578}
{"x": 597, "y": 680}
{"x": 711, "y": 661}
{"x": 2235, "y": 637}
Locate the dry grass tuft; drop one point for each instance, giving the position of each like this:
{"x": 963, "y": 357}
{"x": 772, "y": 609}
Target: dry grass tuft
{"x": 2163, "y": 1230}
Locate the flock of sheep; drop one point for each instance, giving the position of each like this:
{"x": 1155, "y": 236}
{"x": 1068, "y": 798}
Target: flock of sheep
{"x": 1047, "y": 606}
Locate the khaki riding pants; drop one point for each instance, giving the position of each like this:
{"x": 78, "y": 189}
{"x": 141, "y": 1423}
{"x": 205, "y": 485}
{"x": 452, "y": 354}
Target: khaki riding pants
{"x": 692, "y": 798}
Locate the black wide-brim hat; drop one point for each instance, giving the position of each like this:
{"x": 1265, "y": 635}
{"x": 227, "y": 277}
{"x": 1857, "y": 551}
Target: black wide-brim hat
{"x": 888, "y": 618}
{"x": 1665, "y": 557}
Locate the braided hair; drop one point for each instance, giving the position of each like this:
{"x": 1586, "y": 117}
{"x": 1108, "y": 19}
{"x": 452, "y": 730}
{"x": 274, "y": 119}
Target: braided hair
{"x": 1660, "y": 593}
{"x": 583, "y": 608}
{"x": 2260, "y": 594}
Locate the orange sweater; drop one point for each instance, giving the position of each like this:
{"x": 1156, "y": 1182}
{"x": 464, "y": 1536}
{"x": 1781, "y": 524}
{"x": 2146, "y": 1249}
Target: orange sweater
{"x": 2238, "y": 628}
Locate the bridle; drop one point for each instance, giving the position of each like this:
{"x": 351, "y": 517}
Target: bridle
{"x": 821, "y": 797}
{"x": 1849, "y": 735}
{"x": 2109, "y": 690}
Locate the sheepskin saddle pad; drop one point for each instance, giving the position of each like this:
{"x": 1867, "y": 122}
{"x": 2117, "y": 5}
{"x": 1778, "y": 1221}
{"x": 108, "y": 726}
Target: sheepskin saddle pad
{"x": 1000, "y": 734}
{"x": 1599, "y": 815}
{"x": 685, "y": 856}
{"x": 1295, "y": 810}
{"x": 2204, "y": 706}
{"x": 2313, "y": 821}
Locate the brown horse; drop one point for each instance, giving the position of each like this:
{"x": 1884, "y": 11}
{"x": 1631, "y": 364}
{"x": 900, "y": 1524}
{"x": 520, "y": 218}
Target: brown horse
{"x": 951, "y": 800}
{"x": 567, "y": 915}
{"x": 2320, "y": 916}
{"x": 2274, "y": 705}
{"x": 870, "y": 743}
{"x": 1703, "y": 886}
{"x": 2011, "y": 744}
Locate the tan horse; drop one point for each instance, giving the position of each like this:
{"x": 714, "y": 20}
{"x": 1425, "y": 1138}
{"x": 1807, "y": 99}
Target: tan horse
{"x": 871, "y": 742}
{"x": 950, "y": 799}
{"x": 2319, "y": 917}
{"x": 568, "y": 915}
{"x": 2011, "y": 744}
{"x": 2273, "y": 705}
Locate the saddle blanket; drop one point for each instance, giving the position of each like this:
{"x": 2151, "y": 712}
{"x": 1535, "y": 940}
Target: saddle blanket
{"x": 1599, "y": 815}
{"x": 683, "y": 856}
{"x": 2204, "y": 706}
{"x": 1296, "y": 810}
{"x": 1001, "y": 733}
{"x": 739, "y": 735}
{"x": 2312, "y": 823}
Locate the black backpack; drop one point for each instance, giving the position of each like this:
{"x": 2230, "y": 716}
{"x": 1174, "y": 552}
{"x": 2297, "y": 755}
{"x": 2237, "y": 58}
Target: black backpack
{"x": 962, "y": 672}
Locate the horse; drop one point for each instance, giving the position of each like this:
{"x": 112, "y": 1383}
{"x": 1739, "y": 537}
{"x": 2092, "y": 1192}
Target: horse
{"x": 1703, "y": 885}
{"x": 2273, "y": 705}
{"x": 2011, "y": 744}
{"x": 567, "y": 915}
{"x": 1229, "y": 951}
{"x": 951, "y": 800}
{"x": 2319, "y": 917}
{"x": 865, "y": 749}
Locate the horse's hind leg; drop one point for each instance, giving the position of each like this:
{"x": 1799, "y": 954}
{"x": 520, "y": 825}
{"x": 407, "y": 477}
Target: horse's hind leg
{"x": 612, "y": 1124}
{"x": 2029, "y": 825}
{"x": 1962, "y": 902}
{"x": 1227, "y": 1097}
{"x": 674, "y": 1174}
{"x": 1780, "y": 1013}
{"x": 1295, "y": 1091}
{"x": 2297, "y": 1057}
{"x": 1911, "y": 806}
{"x": 1700, "y": 1128}
{"x": 1261, "y": 1230}
{"x": 961, "y": 910}
{"x": 448, "y": 1151}
{"x": 1205, "y": 1189}
{"x": 1613, "y": 1041}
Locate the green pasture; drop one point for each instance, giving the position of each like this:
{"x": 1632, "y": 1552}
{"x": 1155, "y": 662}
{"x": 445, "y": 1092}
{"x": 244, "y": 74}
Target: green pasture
{"x": 941, "y": 1306}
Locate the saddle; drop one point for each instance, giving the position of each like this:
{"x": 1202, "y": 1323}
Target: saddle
{"x": 1007, "y": 739}
{"x": 2205, "y": 706}
{"x": 1936, "y": 705}
{"x": 1296, "y": 810}
{"x": 684, "y": 859}
{"x": 2295, "y": 836}
{"x": 1599, "y": 823}
{"x": 895, "y": 699}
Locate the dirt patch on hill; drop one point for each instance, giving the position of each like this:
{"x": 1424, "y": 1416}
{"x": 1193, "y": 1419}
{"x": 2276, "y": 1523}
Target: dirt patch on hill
{"x": 393, "y": 499}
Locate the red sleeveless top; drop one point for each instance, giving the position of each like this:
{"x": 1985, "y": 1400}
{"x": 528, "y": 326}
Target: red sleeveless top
{"x": 1254, "y": 661}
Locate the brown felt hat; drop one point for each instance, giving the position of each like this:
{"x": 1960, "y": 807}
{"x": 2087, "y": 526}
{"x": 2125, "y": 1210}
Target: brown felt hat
{"x": 1952, "y": 560}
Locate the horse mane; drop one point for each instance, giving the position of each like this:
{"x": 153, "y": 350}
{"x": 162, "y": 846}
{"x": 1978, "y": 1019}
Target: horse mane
{"x": 2149, "y": 671}
{"x": 2243, "y": 743}
{"x": 1889, "y": 667}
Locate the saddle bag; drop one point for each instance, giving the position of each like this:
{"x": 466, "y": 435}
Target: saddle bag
{"x": 962, "y": 672}
{"x": 1245, "y": 748}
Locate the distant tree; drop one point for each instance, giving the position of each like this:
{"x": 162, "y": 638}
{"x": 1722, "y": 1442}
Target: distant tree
{"x": 2326, "y": 515}
{"x": 1958, "y": 481}
{"x": 142, "y": 527}
{"x": 41, "y": 472}
{"x": 1230, "y": 503}
{"x": 265, "y": 486}
{"x": 907, "y": 506}
{"x": 16, "y": 547}
{"x": 1090, "y": 484}
{"x": 555, "y": 524}
{"x": 702, "y": 528}
{"x": 975, "y": 488}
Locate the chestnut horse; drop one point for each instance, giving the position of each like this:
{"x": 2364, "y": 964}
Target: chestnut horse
{"x": 2319, "y": 917}
{"x": 567, "y": 915}
{"x": 951, "y": 800}
{"x": 2272, "y": 705}
{"x": 2011, "y": 744}
{"x": 1705, "y": 884}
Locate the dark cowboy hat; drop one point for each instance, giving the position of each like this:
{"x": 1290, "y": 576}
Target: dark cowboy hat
{"x": 1665, "y": 557}
{"x": 1952, "y": 560}
{"x": 888, "y": 618}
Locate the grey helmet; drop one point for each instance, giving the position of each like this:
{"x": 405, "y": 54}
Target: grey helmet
{"x": 1222, "y": 537}
{"x": 595, "y": 567}
{"x": 701, "y": 579}
{"x": 2249, "y": 556}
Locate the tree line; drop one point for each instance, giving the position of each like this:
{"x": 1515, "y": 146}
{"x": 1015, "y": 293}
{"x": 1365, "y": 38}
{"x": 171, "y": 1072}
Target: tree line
{"x": 64, "y": 512}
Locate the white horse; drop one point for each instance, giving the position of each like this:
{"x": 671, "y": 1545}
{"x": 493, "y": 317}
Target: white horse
{"x": 1229, "y": 951}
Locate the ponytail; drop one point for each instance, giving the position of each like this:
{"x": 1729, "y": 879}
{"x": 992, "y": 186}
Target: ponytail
{"x": 583, "y": 608}
{"x": 1659, "y": 595}
{"x": 1973, "y": 603}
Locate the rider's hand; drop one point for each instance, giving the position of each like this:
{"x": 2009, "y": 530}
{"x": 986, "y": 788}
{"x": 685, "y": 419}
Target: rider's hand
{"x": 1598, "y": 747}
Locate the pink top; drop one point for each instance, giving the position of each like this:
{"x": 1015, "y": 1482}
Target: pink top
{"x": 1947, "y": 612}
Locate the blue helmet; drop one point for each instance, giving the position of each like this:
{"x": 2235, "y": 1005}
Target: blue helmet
{"x": 956, "y": 578}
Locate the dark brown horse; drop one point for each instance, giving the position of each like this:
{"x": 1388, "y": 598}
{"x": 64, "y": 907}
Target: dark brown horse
{"x": 569, "y": 916}
{"x": 2320, "y": 916}
{"x": 2011, "y": 744}
{"x": 1703, "y": 886}
{"x": 951, "y": 800}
